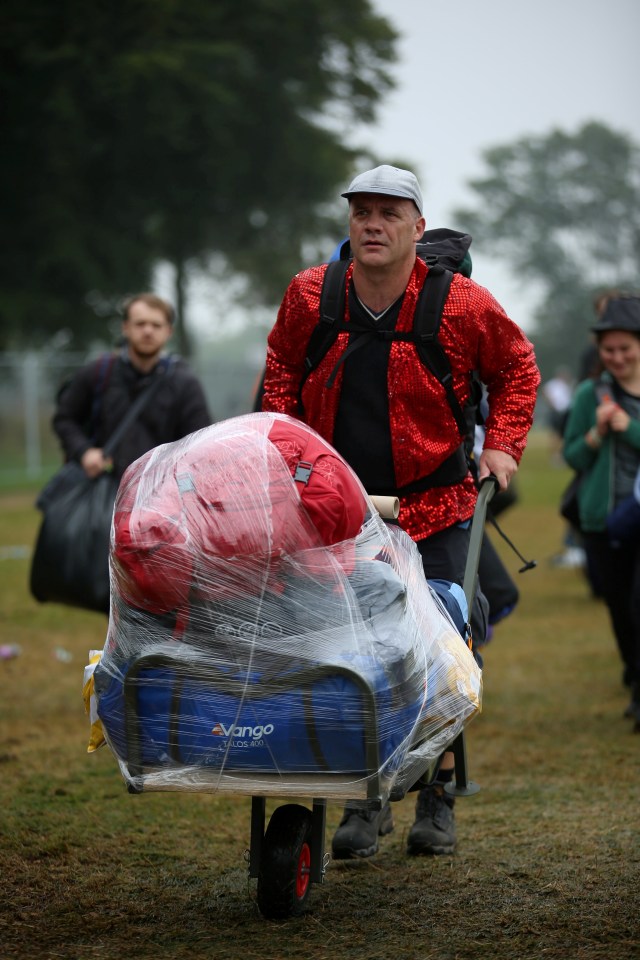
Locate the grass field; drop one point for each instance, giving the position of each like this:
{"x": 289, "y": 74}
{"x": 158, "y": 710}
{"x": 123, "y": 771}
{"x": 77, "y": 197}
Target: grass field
{"x": 548, "y": 861}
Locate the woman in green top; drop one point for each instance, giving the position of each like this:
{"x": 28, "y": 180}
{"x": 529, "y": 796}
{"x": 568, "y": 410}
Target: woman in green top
{"x": 602, "y": 442}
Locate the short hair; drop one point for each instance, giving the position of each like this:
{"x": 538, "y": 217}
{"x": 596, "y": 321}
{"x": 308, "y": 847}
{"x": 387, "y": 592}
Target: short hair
{"x": 151, "y": 300}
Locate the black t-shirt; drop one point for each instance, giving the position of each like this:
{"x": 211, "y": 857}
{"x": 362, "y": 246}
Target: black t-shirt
{"x": 362, "y": 432}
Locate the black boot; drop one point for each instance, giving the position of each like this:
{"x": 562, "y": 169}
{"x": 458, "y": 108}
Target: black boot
{"x": 434, "y": 830}
{"x": 360, "y": 827}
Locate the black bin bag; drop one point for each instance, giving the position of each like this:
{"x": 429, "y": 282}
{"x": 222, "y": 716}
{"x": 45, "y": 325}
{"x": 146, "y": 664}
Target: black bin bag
{"x": 71, "y": 558}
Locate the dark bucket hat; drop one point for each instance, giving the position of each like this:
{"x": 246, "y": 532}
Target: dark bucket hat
{"x": 622, "y": 313}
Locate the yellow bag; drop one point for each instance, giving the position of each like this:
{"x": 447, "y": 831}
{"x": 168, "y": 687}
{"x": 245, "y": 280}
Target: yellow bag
{"x": 96, "y": 736}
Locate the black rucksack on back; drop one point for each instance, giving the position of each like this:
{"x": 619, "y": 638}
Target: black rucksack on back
{"x": 445, "y": 252}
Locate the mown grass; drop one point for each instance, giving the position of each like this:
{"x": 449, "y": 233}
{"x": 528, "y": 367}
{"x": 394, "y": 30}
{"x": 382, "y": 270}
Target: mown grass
{"x": 548, "y": 862}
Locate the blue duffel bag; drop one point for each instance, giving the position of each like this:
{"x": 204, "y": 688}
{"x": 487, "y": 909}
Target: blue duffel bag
{"x": 165, "y": 711}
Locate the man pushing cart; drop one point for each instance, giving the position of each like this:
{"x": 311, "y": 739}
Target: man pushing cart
{"x": 382, "y": 353}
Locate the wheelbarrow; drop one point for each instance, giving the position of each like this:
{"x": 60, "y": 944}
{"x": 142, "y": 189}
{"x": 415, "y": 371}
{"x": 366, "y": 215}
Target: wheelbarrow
{"x": 156, "y": 705}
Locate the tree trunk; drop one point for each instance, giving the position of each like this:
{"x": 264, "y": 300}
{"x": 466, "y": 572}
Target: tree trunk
{"x": 181, "y": 335}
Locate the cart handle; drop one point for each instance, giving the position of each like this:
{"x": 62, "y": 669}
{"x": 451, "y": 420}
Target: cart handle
{"x": 488, "y": 488}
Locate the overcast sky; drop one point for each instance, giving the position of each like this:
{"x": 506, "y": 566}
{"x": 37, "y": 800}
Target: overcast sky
{"x": 476, "y": 73}
{"x": 472, "y": 74}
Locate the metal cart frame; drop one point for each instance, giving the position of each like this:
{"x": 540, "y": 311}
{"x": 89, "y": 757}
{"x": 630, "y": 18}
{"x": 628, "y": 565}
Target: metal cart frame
{"x": 288, "y": 855}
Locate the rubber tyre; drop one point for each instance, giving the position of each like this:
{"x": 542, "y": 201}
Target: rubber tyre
{"x": 283, "y": 876}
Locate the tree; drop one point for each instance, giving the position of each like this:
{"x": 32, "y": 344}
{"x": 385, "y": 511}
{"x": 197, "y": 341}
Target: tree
{"x": 563, "y": 210}
{"x": 171, "y": 129}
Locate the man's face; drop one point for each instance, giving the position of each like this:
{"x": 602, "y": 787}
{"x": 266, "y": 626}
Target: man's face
{"x": 146, "y": 330}
{"x": 383, "y": 230}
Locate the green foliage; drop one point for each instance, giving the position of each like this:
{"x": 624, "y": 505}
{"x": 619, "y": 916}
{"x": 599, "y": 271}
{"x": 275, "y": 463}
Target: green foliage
{"x": 563, "y": 210}
{"x": 170, "y": 129}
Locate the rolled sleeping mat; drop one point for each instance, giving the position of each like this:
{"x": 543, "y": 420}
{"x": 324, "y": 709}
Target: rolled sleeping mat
{"x": 387, "y": 507}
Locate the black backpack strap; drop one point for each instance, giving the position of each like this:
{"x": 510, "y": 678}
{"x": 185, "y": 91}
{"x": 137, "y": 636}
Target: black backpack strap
{"x": 426, "y": 324}
{"x": 103, "y": 367}
{"x": 331, "y": 314}
{"x": 164, "y": 369}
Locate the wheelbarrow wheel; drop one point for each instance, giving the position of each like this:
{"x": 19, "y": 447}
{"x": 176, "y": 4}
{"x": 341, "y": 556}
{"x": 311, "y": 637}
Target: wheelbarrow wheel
{"x": 285, "y": 863}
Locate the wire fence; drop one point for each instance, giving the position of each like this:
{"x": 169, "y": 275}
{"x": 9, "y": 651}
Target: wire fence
{"x": 30, "y": 381}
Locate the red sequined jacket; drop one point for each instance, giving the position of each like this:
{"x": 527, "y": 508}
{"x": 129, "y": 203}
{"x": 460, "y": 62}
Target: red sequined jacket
{"x": 476, "y": 334}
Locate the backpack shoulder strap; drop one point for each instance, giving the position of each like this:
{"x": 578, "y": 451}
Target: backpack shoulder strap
{"x": 426, "y": 324}
{"x": 331, "y": 314}
{"x": 603, "y": 390}
{"x": 165, "y": 369}
{"x": 102, "y": 372}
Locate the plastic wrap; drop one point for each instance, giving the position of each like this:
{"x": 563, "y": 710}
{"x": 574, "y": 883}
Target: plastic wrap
{"x": 269, "y": 633}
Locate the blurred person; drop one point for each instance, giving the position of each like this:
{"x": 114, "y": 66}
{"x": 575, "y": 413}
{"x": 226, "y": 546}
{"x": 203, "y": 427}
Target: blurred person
{"x": 590, "y": 367}
{"x": 97, "y": 398}
{"x": 602, "y": 443}
{"x": 557, "y": 391}
{"x": 391, "y": 420}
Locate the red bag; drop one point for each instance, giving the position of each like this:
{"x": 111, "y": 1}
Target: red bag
{"x": 210, "y": 516}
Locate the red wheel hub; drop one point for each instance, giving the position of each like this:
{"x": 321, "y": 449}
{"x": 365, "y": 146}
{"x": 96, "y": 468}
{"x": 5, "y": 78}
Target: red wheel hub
{"x": 304, "y": 869}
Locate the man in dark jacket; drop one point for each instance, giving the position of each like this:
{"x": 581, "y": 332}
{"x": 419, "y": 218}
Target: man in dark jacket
{"x": 98, "y": 397}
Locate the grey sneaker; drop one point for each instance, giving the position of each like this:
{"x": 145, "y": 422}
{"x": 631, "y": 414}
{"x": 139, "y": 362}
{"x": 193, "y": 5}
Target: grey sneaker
{"x": 434, "y": 830}
{"x": 360, "y": 827}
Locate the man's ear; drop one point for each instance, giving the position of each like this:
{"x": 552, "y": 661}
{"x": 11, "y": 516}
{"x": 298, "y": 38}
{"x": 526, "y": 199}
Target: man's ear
{"x": 421, "y": 225}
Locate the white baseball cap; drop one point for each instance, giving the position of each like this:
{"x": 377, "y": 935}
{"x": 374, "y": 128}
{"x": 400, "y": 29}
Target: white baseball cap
{"x": 388, "y": 181}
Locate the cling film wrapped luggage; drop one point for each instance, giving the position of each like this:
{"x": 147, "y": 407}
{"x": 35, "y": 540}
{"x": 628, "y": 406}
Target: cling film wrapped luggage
{"x": 269, "y": 633}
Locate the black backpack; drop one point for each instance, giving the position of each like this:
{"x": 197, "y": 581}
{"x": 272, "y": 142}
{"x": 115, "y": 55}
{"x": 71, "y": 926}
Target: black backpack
{"x": 445, "y": 252}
